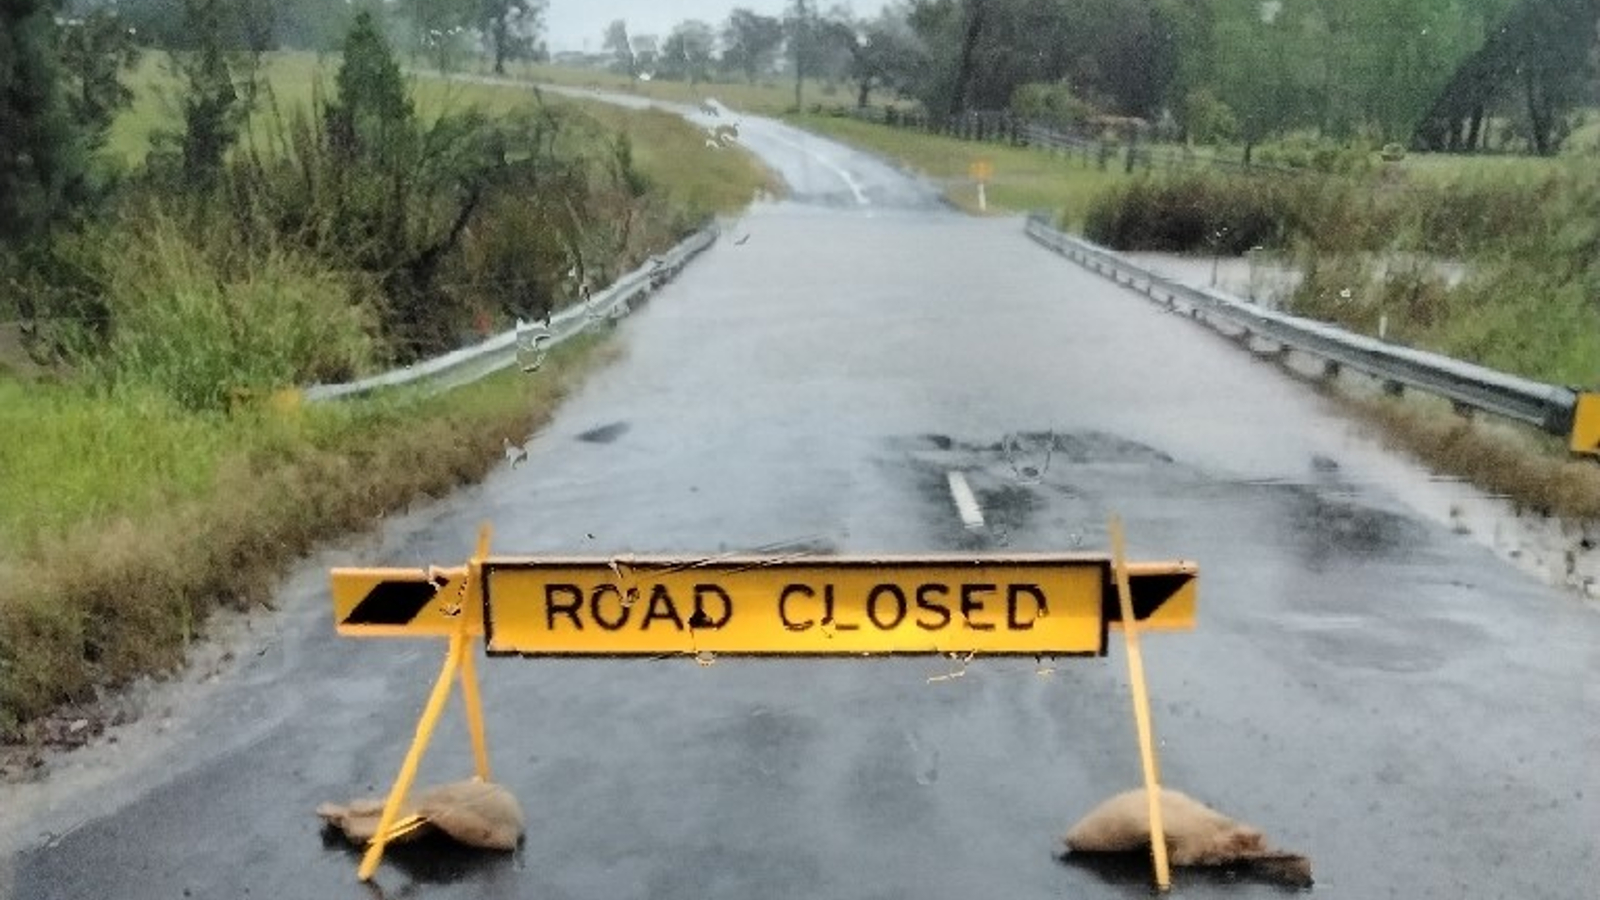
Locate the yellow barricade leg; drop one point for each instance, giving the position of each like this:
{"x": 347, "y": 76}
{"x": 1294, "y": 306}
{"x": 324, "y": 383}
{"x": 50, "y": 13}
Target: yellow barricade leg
{"x": 470, "y": 696}
{"x": 1141, "y": 708}
{"x": 419, "y": 745}
{"x": 474, "y": 704}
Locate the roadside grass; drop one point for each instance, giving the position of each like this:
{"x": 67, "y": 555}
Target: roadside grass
{"x": 1532, "y": 471}
{"x": 152, "y": 516}
{"x": 1024, "y": 179}
{"x": 125, "y": 517}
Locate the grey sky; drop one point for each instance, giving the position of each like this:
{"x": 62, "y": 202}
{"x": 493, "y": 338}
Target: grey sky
{"x": 580, "y": 24}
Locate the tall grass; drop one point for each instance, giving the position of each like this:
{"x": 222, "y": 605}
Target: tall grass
{"x": 196, "y": 328}
{"x": 1371, "y": 252}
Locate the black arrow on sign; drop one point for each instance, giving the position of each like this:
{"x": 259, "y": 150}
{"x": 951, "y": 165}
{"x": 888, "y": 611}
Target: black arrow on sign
{"x": 394, "y": 602}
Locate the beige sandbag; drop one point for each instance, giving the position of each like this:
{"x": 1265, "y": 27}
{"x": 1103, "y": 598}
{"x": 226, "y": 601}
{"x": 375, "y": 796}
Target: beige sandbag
{"x": 476, "y": 813}
{"x": 358, "y": 819}
{"x": 1196, "y": 834}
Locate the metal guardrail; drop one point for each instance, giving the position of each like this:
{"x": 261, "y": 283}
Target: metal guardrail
{"x": 469, "y": 364}
{"x": 1469, "y": 386}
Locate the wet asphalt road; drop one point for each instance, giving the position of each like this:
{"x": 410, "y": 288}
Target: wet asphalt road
{"x": 1365, "y": 685}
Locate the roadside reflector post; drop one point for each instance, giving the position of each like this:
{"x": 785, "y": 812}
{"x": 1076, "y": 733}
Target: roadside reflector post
{"x": 1141, "y": 707}
{"x": 1586, "y": 425}
{"x": 1020, "y": 605}
{"x": 982, "y": 170}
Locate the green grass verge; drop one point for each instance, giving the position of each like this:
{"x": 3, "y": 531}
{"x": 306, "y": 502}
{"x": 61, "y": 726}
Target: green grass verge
{"x": 124, "y": 523}
{"x": 1024, "y": 179}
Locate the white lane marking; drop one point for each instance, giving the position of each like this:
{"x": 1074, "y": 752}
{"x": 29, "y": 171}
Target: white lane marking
{"x": 966, "y": 504}
{"x": 835, "y": 168}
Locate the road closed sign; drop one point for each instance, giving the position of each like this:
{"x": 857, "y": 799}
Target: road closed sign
{"x": 1030, "y": 605}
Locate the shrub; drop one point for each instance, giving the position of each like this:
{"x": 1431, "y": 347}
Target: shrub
{"x": 1190, "y": 213}
{"x": 194, "y": 323}
{"x": 1304, "y": 152}
{"x": 1052, "y": 104}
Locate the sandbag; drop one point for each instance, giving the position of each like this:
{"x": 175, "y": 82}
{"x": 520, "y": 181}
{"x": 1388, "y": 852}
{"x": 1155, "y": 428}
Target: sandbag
{"x": 475, "y": 813}
{"x": 358, "y": 819}
{"x": 1196, "y": 834}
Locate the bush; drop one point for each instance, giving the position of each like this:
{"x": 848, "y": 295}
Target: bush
{"x": 1302, "y": 152}
{"x": 1051, "y": 104}
{"x": 1190, "y": 213}
{"x": 195, "y": 324}
{"x": 1208, "y": 120}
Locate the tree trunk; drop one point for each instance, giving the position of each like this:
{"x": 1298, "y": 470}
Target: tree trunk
{"x": 969, "y": 42}
{"x": 864, "y": 93}
{"x": 1538, "y": 124}
{"x": 501, "y": 39}
{"x": 1474, "y": 128}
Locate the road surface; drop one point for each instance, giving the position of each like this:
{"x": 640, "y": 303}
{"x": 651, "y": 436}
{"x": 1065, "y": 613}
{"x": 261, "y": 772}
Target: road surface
{"x": 1365, "y": 685}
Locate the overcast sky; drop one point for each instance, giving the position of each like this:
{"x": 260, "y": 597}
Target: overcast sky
{"x": 580, "y": 24}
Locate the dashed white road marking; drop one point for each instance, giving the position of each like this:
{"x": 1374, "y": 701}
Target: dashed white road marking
{"x": 966, "y": 504}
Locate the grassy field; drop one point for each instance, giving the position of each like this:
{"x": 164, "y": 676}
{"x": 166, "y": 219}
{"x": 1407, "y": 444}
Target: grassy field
{"x": 124, "y": 517}
{"x": 667, "y": 149}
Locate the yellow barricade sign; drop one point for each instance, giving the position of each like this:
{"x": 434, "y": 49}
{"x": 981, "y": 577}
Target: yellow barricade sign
{"x": 1046, "y": 604}
{"x": 403, "y": 602}
{"x": 978, "y": 605}
{"x": 840, "y": 606}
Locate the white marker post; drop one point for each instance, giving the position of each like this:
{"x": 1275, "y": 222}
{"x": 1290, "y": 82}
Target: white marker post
{"x": 982, "y": 170}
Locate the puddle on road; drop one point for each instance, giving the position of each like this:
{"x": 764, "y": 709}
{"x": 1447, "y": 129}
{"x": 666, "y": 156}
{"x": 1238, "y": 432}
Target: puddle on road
{"x": 605, "y": 434}
{"x": 1329, "y": 516}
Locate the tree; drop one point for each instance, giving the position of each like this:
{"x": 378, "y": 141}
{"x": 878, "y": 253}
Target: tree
{"x": 441, "y": 28}
{"x": 750, "y": 42}
{"x": 687, "y": 53}
{"x": 800, "y": 25}
{"x": 95, "y": 51}
{"x": 43, "y": 163}
{"x": 512, "y": 28}
{"x": 213, "y": 107}
{"x": 372, "y": 110}
{"x": 883, "y": 52}
{"x": 616, "y": 41}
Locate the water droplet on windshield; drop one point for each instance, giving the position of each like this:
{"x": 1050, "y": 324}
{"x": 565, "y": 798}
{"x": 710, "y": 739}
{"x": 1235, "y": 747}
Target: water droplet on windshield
{"x": 1028, "y": 455}
{"x": 533, "y": 345}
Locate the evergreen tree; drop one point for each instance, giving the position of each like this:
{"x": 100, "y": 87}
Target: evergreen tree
{"x": 43, "y": 161}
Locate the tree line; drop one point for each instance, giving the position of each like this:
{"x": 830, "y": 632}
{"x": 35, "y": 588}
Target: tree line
{"x": 1434, "y": 74}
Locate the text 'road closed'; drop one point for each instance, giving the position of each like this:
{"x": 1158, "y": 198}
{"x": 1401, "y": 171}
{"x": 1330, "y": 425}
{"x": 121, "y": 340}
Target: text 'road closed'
{"x": 850, "y": 606}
